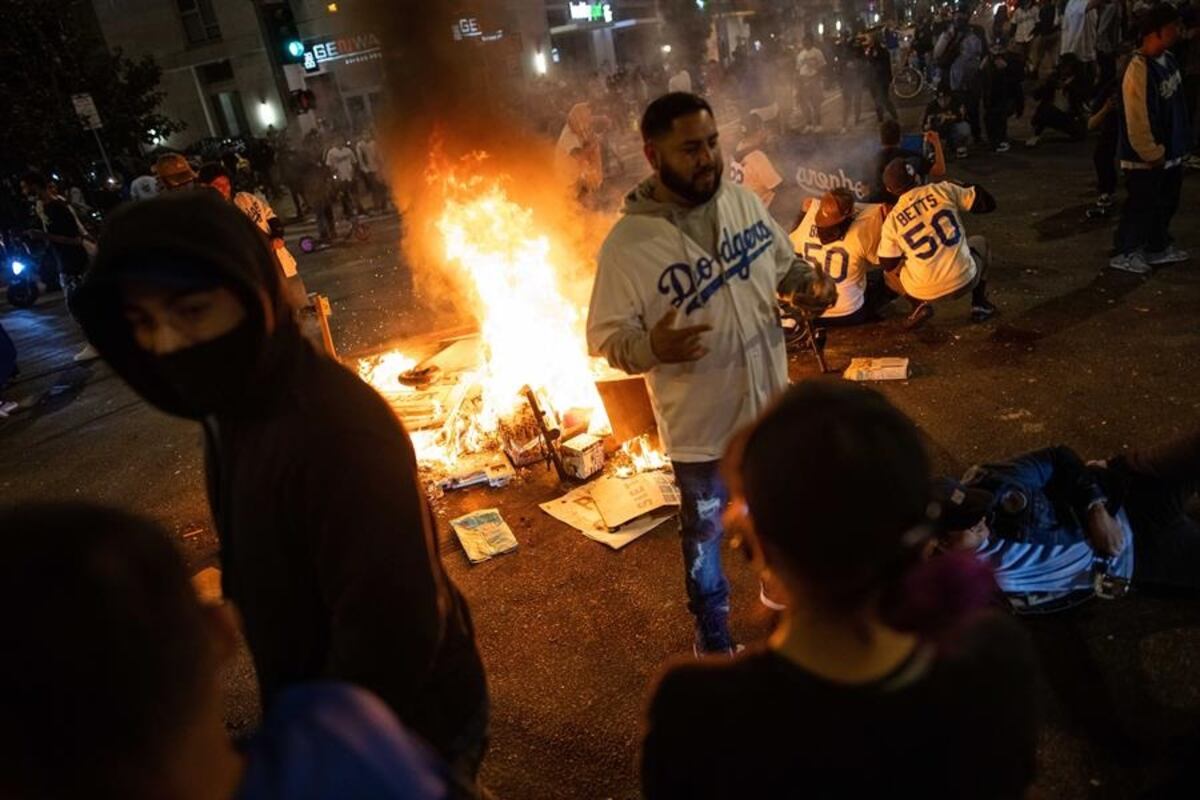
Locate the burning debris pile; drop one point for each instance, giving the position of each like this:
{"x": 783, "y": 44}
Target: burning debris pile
{"x": 483, "y": 394}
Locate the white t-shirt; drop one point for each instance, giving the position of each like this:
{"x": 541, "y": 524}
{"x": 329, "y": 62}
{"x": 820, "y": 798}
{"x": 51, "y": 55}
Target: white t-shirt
{"x": 261, "y": 214}
{"x": 368, "y": 156}
{"x": 680, "y": 82}
{"x": 810, "y": 62}
{"x": 925, "y": 228}
{"x": 1079, "y": 30}
{"x": 1025, "y": 19}
{"x": 848, "y": 259}
{"x": 341, "y": 160}
{"x": 756, "y": 173}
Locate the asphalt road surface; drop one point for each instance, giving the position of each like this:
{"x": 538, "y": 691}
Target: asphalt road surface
{"x": 573, "y": 633}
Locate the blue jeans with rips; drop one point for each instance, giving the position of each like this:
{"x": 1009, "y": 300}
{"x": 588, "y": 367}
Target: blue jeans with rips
{"x": 703, "y": 498}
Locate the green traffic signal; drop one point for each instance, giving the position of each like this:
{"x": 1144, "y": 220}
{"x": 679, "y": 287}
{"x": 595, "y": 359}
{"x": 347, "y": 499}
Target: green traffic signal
{"x": 295, "y": 48}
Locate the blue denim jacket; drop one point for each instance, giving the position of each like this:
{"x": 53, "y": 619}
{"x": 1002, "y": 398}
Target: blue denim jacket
{"x": 1040, "y": 497}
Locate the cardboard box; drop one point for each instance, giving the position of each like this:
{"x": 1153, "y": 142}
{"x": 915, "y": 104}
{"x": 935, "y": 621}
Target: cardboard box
{"x": 877, "y": 369}
{"x": 583, "y": 456}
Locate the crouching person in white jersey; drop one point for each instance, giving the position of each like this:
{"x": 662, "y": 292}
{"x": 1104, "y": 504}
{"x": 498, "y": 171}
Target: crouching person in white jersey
{"x": 924, "y": 249}
{"x": 842, "y": 240}
{"x": 706, "y": 254}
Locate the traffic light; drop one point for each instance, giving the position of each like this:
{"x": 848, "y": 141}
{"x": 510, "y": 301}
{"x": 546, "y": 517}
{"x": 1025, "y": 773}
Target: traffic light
{"x": 283, "y": 38}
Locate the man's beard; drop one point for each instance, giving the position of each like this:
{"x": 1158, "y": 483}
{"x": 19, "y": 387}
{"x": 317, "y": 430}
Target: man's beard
{"x": 686, "y": 188}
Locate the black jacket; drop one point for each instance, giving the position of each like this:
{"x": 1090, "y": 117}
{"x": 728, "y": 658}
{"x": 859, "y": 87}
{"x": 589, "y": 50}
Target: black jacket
{"x": 328, "y": 546}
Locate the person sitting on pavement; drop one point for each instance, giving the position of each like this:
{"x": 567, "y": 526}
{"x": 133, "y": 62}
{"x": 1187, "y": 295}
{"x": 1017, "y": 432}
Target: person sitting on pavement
{"x": 877, "y": 661}
{"x": 1058, "y": 531}
{"x": 118, "y": 691}
{"x": 889, "y": 138}
{"x": 216, "y": 176}
{"x": 947, "y": 117}
{"x": 693, "y": 248}
{"x": 312, "y": 480}
{"x": 924, "y": 249}
{"x": 751, "y": 167}
{"x": 1047, "y": 114}
{"x": 841, "y": 239}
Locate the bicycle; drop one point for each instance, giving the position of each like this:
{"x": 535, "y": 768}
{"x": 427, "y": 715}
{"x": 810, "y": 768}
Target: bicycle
{"x": 358, "y": 230}
{"x": 907, "y": 80}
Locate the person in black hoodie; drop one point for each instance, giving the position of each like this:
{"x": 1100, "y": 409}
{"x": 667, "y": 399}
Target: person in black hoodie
{"x": 327, "y": 544}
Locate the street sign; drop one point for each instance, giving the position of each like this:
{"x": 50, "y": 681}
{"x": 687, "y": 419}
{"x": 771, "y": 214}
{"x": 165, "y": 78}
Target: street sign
{"x": 85, "y": 109}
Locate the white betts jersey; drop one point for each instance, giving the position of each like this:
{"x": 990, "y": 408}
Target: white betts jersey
{"x": 847, "y": 260}
{"x": 925, "y": 227}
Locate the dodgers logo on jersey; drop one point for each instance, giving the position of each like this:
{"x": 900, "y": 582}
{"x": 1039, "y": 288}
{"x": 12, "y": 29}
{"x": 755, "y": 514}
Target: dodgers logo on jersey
{"x": 695, "y": 284}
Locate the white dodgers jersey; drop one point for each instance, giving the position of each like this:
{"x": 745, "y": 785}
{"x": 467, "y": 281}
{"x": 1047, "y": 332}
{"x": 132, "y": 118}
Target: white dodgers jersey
{"x": 756, "y": 173}
{"x": 925, "y": 227}
{"x": 847, "y": 260}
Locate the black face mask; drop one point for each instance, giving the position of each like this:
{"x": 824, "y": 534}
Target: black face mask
{"x": 214, "y": 376}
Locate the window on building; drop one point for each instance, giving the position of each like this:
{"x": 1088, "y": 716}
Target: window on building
{"x": 199, "y": 21}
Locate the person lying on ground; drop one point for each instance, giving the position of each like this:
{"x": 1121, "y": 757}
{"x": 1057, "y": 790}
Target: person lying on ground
{"x": 118, "y": 692}
{"x": 1058, "y": 531}
{"x": 924, "y": 249}
{"x": 877, "y": 661}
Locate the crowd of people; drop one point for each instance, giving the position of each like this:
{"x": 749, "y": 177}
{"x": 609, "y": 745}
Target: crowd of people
{"x": 896, "y": 641}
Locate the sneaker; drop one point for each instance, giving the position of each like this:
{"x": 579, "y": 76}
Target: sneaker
{"x": 1104, "y": 200}
{"x": 1172, "y": 255}
{"x": 1003, "y": 147}
{"x": 982, "y": 311}
{"x": 88, "y": 353}
{"x": 961, "y": 152}
{"x": 728, "y": 652}
{"x": 919, "y": 316}
{"x": 1130, "y": 262}
{"x": 8, "y": 406}
{"x": 1032, "y": 141}
{"x": 766, "y": 599}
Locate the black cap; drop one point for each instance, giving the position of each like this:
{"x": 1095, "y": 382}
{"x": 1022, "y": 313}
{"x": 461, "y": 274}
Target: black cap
{"x": 899, "y": 176}
{"x": 960, "y": 506}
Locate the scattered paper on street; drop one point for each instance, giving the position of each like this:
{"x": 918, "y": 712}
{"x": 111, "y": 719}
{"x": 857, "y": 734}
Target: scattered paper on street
{"x": 578, "y": 509}
{"x": 877, "y": 369}
{"x": 484, "y": 534}
{"x": 620, "y": 500}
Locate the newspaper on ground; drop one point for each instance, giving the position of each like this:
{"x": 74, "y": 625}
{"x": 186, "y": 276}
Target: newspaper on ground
{"x": 484, "y": 534}
{"x": 578, "y": 509}
{"x": 620, "y": 500}
{"x": 877, "y": 369}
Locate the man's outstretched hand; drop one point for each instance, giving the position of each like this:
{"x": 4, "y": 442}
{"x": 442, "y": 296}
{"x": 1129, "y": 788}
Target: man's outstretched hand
{"x": 673, "y": 345}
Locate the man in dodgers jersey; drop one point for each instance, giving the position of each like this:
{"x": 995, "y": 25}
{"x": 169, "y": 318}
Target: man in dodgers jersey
{"x": 842, "y": 239}
{"x": 707, "y": 253}
{"x": 924, "y": 249}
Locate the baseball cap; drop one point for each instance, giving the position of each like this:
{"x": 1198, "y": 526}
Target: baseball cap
{"x": 174, "y": 170}
{"x": 836, "y": 206}
{"x": 899, "y": 176}
{"x": 961, "y": 506}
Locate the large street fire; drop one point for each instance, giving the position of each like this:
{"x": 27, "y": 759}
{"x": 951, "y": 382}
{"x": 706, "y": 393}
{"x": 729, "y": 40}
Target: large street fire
{"x": 531, "y": 333}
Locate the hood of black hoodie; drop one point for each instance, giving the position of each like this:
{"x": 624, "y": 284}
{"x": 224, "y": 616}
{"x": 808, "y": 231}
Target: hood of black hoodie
{"x": 198, "y": 229}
